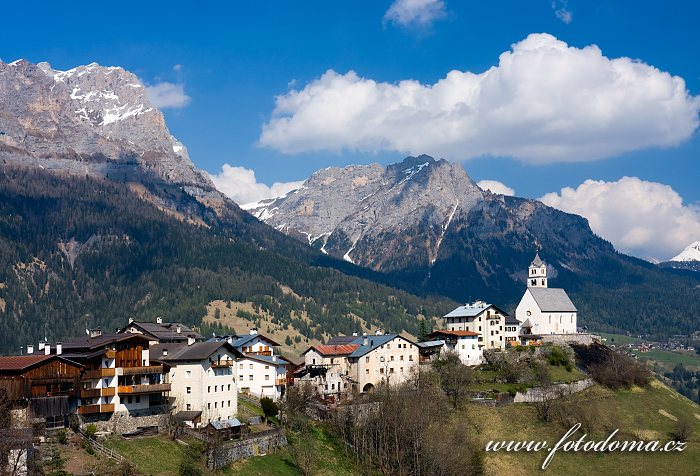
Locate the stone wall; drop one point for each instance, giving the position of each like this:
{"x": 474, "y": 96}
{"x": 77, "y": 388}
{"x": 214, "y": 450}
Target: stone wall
{"x": 539, "y": 394}
{"x": 123, "y": 422}
{"x": 227, "y": 453}
{"x": 580, "y": 338}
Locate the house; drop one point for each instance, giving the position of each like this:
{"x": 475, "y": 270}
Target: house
{"x": 119, "y": 376}
{"x": 543, "y": 310}
{"x": 328, "y": 368}
{"x": 261, "y": 371}
{"x": 162, "y": 332}
{"x": 429, "y": 351}
{"x": 512, "y": 331}
{"x": 463, "y": 343}
{"x": 360, "y": 365}
{"x": 482, "y": 318}
{"x": 225, "y": 429}
{"x": 202, "y": 379}
{"x": 42, "y": 386}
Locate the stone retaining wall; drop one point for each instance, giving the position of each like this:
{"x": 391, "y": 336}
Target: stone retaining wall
{"x": 539, "y": 394}
{"x": 580, "y": 338}
{"x": 123, "y": 422}
{"x": 227, "y": 453}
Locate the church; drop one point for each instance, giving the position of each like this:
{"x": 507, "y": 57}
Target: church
{"x": 544, "y": 310}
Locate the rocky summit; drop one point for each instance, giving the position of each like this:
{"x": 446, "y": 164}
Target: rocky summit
{"x": 91, "y": 120}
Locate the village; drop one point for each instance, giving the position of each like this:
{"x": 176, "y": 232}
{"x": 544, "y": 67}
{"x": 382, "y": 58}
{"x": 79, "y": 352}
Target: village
{"x": 149, "y": 377}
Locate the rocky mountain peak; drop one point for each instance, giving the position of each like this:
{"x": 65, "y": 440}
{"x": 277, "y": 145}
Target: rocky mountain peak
{"x": 90, "y": 119}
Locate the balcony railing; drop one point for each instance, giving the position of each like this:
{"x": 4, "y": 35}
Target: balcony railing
{"x": 99, "y": 373}
{"x": 133, "y": 389}
{"x": 147, "y": 370}
{"x": 110, "y": 354}
{"x": 222, "y": 364}
{"x": 281, "y": 381}
{"x": 90, "y": 392}
{"x": 88, "y": 409}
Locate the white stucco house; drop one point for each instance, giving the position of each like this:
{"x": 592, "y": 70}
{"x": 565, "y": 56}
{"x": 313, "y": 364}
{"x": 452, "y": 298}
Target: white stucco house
{"x": 202, "y": 378}
{"x": 544, "y": 310}
{"x": 482, "y": 318}
{"x": 463, "y": 343}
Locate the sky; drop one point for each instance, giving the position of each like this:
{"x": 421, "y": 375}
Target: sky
{"x": 590, "y": 106}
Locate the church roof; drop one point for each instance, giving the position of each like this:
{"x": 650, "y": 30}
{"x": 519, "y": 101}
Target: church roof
{"x": 537, "y": 262}
{"x": 552, "y": 300}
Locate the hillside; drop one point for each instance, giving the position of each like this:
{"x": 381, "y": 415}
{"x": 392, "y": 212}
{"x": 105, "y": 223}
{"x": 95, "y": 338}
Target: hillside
{"x": 428, "y": 227}
{"x": 84, "y": 252}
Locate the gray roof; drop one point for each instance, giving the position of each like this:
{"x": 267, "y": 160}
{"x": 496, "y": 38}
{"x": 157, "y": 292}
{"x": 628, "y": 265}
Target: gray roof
{"x": 187, "y": 415}
{"x": 429, "y": 344}
{"x": 537, "y": 261}
{"x": 225, "y": 424}
{"x": 472, "y": 310}
{"x": 373, "y": 341}
{"x": 512, "y": 321}
{"x": 341, "y": 340}
{"x": 196, "y": 351}
{"x": 267, "y": 359}
{"x": 166, "y": 331}
{"x": 552, "y": 300}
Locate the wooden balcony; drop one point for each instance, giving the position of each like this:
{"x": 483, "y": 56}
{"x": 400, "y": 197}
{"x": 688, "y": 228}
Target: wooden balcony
{"x": 90, "y": 392}
{"x": 99, "y": 373}
{"x": 89, "y": 409}
{"x": 109, "y": 391}
{"x": 222, "y": 364}
{"x": 148, "y": 370}
{"x": 281, "y": 381}
{"x": 111, "y": 354}
{"x": 139, "y": 389}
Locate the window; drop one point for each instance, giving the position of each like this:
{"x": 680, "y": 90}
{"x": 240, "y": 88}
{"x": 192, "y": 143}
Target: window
{"x": 367, "y": 371}
{"x": 229, "y": 403}
{"x": 267, "y": 377}
{"x": 267, "y": 367}
{"x": 381, "y": 371}
{"x": 188, "y": 373}
{"x": 250, "y": 377}
{"x": 388, "y": 346}
{"x": 401, "y": 358}
{"x": 462, "y": 346}
{"x": 106, "y": 384}
{"x": 188, "y": 406}
{"x": 188, "y": 389}
{"x": 367, "y": 359}
{"x": 479, "y": 328}
{"x": 240, "y": 366}
{"x": 250, "y": 366}
{"x": 229, "y": 387}
{"x": 528, "y": 313}
{"x": 138, "y": 398}
{"x": 391, "y": 358}
{"x": 410, "y": 358}
{"x": 215, "y": 404}
{"x": 401, "y": 369}
{"x": 129, "y": 399}
{"x": 209, "y": 389}
{"x": 391, "y": 370}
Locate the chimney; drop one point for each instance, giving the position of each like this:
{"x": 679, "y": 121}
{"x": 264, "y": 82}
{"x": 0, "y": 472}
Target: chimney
{"x": 254, "y": 331}
{"x": 274, "y": 358}
{"x": 364, "y": 341}
{"x": 95, "y": 333}
{"x": 159, "y": 320}
{"x": 178, "y": 328}
{"x": 354, "y": 334}
{"x": 47, "y": 349}
{"x": 378, "y": 332}
{"x": 190, "y": 340}
{"x": 131, "y": 319}
{"x": 41, "y": 345}
{"x": 364, "y": 334}
{"x": 30, "y": 349}
{"x": 165, "y": 352}
{"x": 59, "y": 348}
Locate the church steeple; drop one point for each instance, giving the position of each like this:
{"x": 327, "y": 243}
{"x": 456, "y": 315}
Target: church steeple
{"x": 537, "y": 273}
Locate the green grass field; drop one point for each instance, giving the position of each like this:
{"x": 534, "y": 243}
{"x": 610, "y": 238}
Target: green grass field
{"x": 619, "y": 339}
{"x": 671, "y": 358}
{"x": 155, "y": 455}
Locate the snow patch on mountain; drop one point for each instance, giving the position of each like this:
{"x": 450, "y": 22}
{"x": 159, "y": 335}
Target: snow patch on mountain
{"x": 691, "y": 253}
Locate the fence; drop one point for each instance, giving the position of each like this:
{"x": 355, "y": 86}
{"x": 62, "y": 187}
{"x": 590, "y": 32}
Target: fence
{"x": 100, "y": 448}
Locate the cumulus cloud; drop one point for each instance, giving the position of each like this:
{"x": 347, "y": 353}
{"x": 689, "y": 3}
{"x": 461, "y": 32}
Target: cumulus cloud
{"x": 645, "y": 219}
{"x": 241, "y": 186}
{"x": 494, "y": 186}
{"x": 168, "y": 95}
{"x": 561, "y": 10}
{"x": 408, "y": 13}
{"x": 544, "y": 102}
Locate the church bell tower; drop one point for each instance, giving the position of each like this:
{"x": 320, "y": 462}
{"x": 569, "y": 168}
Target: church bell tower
{"x": 537, "y": 273}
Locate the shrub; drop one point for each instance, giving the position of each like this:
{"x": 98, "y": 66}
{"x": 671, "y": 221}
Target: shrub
{"x": 269, "y": 407}
{"x": 62, "y": 436}
{"x": 91, "y": 430}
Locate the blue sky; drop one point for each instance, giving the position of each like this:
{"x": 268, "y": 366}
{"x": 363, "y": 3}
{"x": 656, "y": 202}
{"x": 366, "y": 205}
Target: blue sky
{"x": 233, "y": 61}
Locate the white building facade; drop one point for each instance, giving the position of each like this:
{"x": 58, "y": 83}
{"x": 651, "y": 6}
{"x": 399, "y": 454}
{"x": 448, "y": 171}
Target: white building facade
{"x": 482, "y": 318}
{"x": 463, "y": 343}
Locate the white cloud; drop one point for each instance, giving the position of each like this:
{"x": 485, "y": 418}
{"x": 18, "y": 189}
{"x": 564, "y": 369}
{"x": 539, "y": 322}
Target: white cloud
{"x": 167, "y": 95}
{"x": 415, "y": 12}
{"x": 241, "y": 186}
{"x": 561, "y": 10}
{"x": 495, "y": 186}
{"x": 544, "y": 102}
{"x": 646, "y": 219}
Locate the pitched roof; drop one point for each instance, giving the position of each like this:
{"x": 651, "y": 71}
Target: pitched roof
{"x": 225, "y": 424}
{"x": 473, "y": 310}
{"x": 338, "y": 340}
{"x": 23, "y": 362}
{"x": 274, "y": 360}
{"x": 187, "y": 415}
{"x": 182, "y": 351}
{"x": 164, "y": 331}
{"x": 329, "y": 350}
{"x": 552, "y": 300}
{"x": 91, "y": 343}
{"x": 373, "y": 341}
{"x": 430, "y": 344}
{"x": 537, "y": 262}
{"x": 240, "y": 341}
{"x": 455, "y": 333}
{"x": 512, "y": 321}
